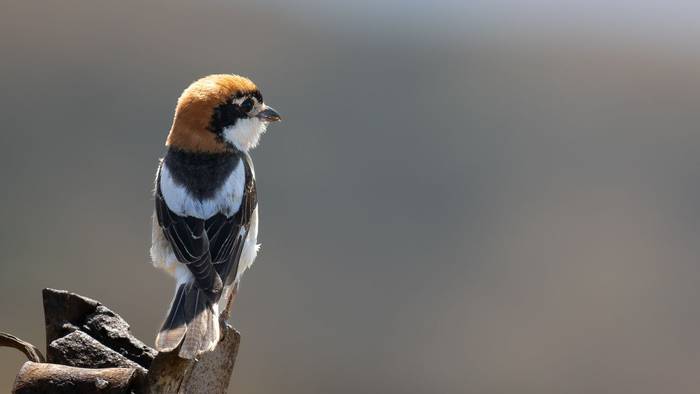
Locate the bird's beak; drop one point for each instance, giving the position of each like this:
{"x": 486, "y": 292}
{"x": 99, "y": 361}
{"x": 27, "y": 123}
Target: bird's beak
{"x": 268, "y": 114}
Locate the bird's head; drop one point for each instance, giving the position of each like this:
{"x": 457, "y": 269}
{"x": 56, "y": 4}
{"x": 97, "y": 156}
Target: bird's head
{"x": 220, "y": 113}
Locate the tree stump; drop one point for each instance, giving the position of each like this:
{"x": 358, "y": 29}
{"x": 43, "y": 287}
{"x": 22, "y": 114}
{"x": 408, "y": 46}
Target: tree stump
{"x": 90, "y": 349}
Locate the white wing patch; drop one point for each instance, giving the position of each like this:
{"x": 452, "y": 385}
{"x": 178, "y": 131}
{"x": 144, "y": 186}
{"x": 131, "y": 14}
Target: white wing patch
{"x": 227, "y": 199}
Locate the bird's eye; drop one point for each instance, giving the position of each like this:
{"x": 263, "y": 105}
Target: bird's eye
{"x": 247, "y": 105}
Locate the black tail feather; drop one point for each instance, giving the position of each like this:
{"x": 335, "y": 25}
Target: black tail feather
{"x": 191, "y": 322}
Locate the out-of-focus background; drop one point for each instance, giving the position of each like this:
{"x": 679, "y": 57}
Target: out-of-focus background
{"x": 482, "y": 197}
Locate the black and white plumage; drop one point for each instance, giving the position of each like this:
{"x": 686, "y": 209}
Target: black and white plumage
{"x": 206, "y": 215}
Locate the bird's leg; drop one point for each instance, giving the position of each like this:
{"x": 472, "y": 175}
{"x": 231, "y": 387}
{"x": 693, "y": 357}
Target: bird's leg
{"x": 231, "y": 297}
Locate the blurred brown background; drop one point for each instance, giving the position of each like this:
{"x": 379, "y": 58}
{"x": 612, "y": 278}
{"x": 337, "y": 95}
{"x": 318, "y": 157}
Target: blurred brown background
{"x": 483, "y": 197}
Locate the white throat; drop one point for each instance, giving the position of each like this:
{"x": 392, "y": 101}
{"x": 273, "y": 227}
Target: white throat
{"x": 245, "y": 134}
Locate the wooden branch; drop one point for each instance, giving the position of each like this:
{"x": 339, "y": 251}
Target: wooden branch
{"x": 99, "y": 329}
{"x": 214, "y": 369}
{"x": 29, "y": 350}
{"x": 168, "y": 373}
{"x": 35, "y": 378}
{"x": 211, "y": 373}
{"x": 79, "y": 349}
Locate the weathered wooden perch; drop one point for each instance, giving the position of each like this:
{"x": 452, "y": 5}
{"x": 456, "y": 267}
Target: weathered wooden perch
{"x": 59, "y": 379}
{"x": 29, "y": 350}
{"x": 89, "y": 349}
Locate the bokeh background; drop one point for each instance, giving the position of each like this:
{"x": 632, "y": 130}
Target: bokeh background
{"x": 463, "y": 197}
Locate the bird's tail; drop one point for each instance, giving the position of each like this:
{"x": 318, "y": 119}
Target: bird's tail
{"x": 193, "y": 321}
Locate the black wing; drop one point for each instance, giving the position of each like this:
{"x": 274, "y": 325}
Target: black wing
{"x": 227, "y": 235}
{"x": 190, "y": 243}
{"x": 210, "y": 248}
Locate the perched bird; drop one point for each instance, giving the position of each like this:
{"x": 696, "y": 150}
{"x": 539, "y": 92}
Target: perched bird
{"x": 205, "y": 225}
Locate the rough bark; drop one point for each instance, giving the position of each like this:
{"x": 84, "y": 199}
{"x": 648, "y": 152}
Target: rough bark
{"x": 78, "y": 349}
{"x": 35, "y": 378}
{"x": 98, "y": 329}
{"x": 212, "y": 372}
{"x": 214, "y": 369}
{"x": 29, "y": 350}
